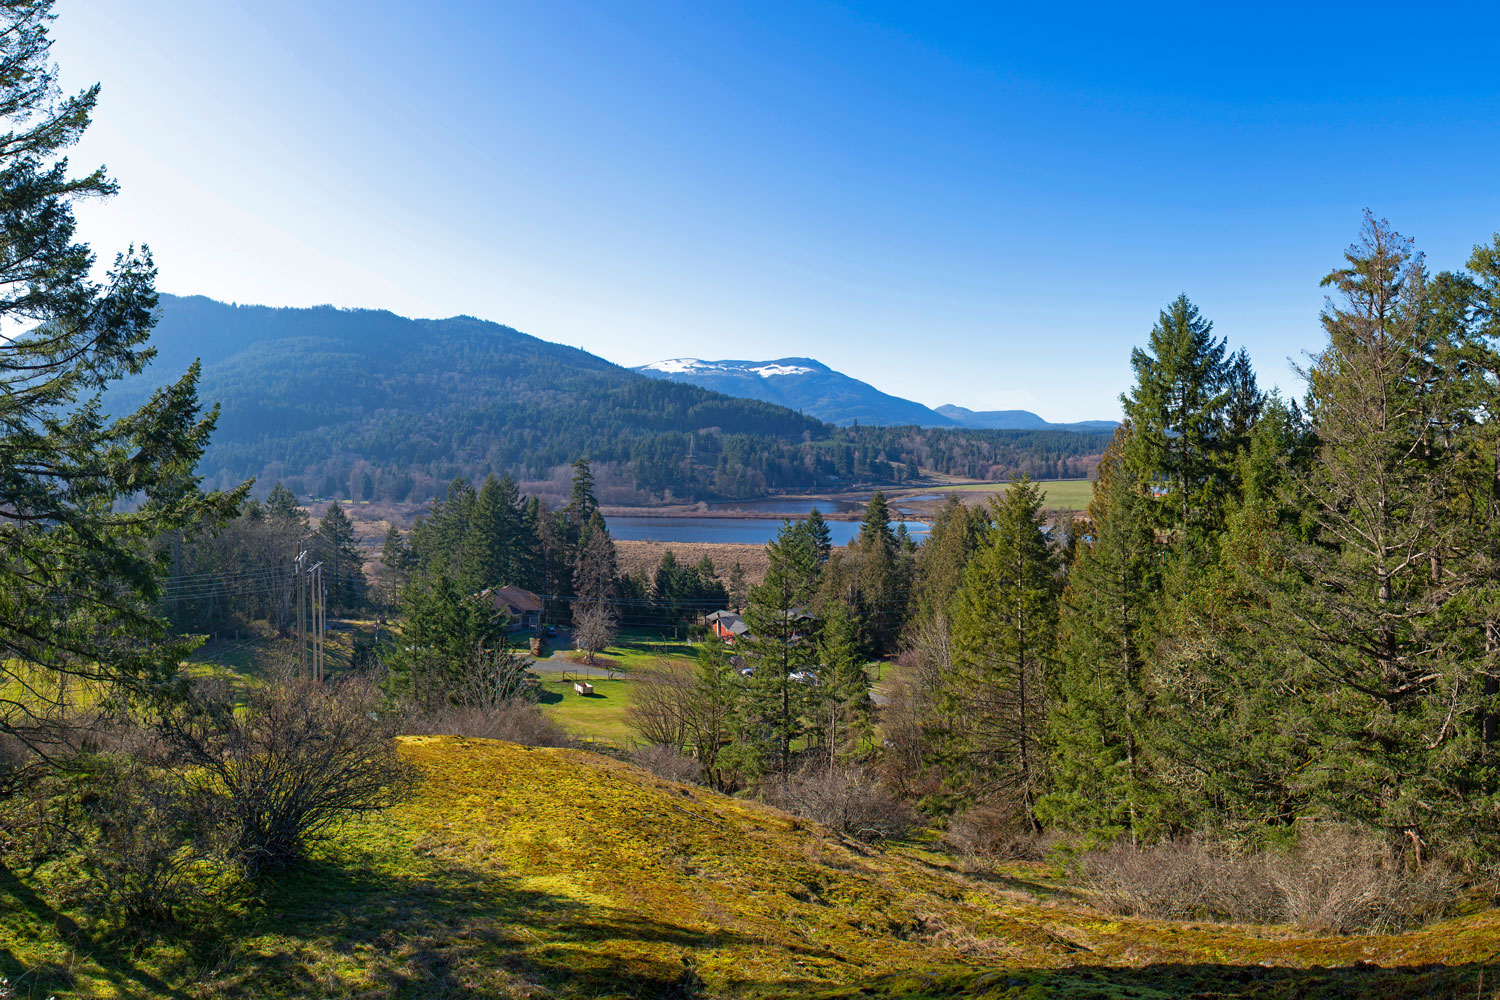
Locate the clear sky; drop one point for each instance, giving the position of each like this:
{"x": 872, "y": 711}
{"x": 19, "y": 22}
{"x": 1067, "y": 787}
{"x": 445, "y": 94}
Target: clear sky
{"x": 982, "y": 204}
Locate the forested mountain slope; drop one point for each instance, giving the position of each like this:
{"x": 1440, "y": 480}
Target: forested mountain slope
{"x": 370, "y": 405}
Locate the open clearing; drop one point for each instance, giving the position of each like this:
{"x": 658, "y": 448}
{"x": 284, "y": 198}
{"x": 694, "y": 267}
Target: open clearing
{"x": 563, "y": 874}
{"x": 1061, "y": 494}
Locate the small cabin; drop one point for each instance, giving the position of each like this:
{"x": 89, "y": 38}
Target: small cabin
{"x": 728, "y": 626}
{"x": 522, "y": 608}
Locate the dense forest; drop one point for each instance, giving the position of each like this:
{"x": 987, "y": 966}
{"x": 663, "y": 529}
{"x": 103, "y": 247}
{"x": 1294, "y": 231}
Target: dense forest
{"x": 360, "y": 404}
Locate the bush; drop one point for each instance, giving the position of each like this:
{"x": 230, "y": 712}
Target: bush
{"x": 520, "y": 722}
{"x": 1335, "y": 880}
{"x": 300, "y": 757}
{"x": 994, "y": 831}
{"x": 847, "y": 799}
{"x": 667, "y": 762}
{"x": 143, "y": 847}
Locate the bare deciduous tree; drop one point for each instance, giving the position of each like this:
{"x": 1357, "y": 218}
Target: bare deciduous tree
{"x": 594, "y": 628}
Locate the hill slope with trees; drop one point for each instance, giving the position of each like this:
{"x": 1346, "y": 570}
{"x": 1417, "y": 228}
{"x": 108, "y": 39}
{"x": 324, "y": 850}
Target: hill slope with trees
{"x": 364, "y": 404}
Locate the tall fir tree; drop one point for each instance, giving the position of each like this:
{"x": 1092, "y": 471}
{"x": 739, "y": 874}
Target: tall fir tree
{"x": 1004, "y": 617}
{"x": 1098, "y": 766}
{"x": 782, "y": 644}
{"x": 82, "y": 497}
{"x": 581, "y": 504}
{"x": 343, "y": 566}
{"x": 1179, "y": 445}
{"x": 596, "y": 571}
{"x": 1378, "y": 609}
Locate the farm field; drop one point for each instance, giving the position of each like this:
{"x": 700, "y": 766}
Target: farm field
{"x": 1061, "y": 494}
{"x": 562, "y": 874}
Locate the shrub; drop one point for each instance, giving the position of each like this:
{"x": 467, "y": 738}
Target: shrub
{"x": 667, "y": 762}
{"x": 848, "y": 800}
{"x": 1336, "y": 880}
{"x": 994, "y": 831}
{"x": 520, "y": 722}
{"x": 300, "y": 757}
{"x": 142, "y": 846}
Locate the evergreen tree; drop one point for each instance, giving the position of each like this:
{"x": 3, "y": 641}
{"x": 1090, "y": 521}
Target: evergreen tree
{"x": 1177, "y": 415}
{"x": 81, "y": 497}
{"x": 1377, "y": 606}
{"x": 781, "y": 643}
{"x": 487, "y": 543}
{"x": 738, "y": 589}
{"x": 446, "y": 633}
{"x": 1098, "y": 766}
{"x": 841, "y": 706}
{"x": 880, "y": 575}
{"x": 669, "y": 588}
{"x": 283, "y": 505}
{"x": 395, "y": 563}
{"x": 1004, "y": 618}
{"x": 596, "y": 570}
{"x": 713, "y": 711}
{"x": 343, "y": 567}
{"x": 955, "y": 536}
{"x": 581, "y": 505}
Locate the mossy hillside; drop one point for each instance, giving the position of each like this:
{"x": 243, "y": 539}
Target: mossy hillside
{"x": 560, "y": 873}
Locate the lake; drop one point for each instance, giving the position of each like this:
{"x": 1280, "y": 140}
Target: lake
{"x": 797, "y": 506}
{"x": 742, "y": 530}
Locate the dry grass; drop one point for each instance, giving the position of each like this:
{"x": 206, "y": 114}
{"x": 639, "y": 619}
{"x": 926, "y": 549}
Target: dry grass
{"x": 1335, "y": 881}
{"x": 642, "y": 558}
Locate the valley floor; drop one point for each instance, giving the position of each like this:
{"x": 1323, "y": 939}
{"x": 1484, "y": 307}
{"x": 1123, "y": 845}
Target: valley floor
{"x": 564, "y": 874}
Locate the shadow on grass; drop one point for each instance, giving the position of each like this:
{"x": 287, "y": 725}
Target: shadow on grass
{"x": 452, "y": 931}
{"x": 112, "y": 959}
{"x": 1176, "y": 982}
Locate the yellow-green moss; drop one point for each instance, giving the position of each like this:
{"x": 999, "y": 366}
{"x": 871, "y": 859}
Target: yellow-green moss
{"x": 558, "y": 873}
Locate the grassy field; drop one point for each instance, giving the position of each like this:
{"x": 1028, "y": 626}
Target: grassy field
{"x": 562, "y": 874}
{"x": 600, "y": 716}
{"x": 1061, "y": 494}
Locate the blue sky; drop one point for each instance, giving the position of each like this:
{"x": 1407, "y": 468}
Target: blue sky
{"x": 976, "y": 204}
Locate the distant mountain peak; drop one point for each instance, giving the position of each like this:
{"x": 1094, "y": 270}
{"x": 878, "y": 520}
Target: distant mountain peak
{"x": 765, "y": 369}
{"x": 818, "y": 391}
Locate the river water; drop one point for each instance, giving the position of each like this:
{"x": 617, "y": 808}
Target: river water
{"x": 743, "y": 530}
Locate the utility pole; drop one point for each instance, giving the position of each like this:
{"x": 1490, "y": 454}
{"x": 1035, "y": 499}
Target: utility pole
{"x": 301, "y": 612}
{"x": 319, "y": 617}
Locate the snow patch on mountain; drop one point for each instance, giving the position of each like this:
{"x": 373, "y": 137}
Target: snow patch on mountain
{"x": 766, "y": 371}
{"x": 677, "y": 366}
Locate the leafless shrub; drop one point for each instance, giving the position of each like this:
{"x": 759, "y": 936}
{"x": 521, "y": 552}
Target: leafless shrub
{"x": 669, "y": 762}
{"x": 520, "y": 722}
{"x": 495, "y": 677}
{"x": 300, "y": 757}
{"x": 1336, "y": 880}
{"x": 140, "y": 845}
{"x": 1181, "y": 881}
{"x": 848, "y": 800}
{"x": 661, "y": 705}
{"x": 995, "y": 831}
{"x": 1340, "y": 881}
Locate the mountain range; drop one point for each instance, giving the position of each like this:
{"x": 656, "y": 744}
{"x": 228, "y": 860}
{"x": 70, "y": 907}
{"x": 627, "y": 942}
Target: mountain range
{"x": 815, "y": 389}
{"x": 365, "y": 404}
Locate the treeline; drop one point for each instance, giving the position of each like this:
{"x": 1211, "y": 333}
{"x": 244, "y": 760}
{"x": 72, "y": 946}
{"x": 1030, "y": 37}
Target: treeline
{"x": 1272, "y": 614}
{"x": 1275, "y": 620}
